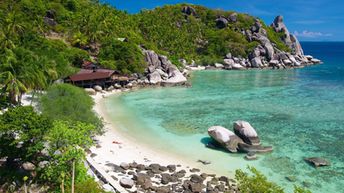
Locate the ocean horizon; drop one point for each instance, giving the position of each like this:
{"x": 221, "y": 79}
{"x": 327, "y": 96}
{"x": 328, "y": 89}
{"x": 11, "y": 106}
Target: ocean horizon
{"x": 297, "y": 111}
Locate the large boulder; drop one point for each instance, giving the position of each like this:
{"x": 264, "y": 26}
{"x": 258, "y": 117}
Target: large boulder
{"x": 154, "y": 77}
{"x": 246, "y": 132}
{"x": 152, "y": 60}
{"x": 233, "y": 17}
{"x": 221, "y": 22}
{"x": 225, "y": 137}
{"x": 189, "y": 10}
{"x": 237, "y": 66}
{"x": 218, "y": 65}
{"x": 290, "y": 40}
{"x": 256, "y": 62}
{"x": 228, "y": 62}
{"x": 175, "y": 77}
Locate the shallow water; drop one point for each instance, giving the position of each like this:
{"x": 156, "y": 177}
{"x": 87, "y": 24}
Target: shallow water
{"x": 300, "y": 112}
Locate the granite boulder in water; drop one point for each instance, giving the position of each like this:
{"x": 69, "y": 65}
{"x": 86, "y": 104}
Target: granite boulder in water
{"x": 225, "y": 137}
{"x": 246, "y": 132}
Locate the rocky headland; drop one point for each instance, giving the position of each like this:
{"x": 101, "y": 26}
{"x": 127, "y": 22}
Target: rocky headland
{"x": 266, "y": 55}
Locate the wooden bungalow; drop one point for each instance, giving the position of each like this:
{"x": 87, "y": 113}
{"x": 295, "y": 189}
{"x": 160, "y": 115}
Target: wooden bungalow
{"x": 88, "y": 78}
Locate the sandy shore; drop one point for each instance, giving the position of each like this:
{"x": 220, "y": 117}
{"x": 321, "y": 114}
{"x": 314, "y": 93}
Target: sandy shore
{"x": 116, "y": 147}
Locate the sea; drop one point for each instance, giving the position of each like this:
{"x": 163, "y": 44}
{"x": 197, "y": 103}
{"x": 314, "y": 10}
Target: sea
{"x": 300, "y": 112}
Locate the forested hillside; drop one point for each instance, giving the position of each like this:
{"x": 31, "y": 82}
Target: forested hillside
{"x": 44, "y": 40}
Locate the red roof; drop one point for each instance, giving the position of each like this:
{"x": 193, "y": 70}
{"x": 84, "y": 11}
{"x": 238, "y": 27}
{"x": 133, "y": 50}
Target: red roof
{"x": 85, "y": 74}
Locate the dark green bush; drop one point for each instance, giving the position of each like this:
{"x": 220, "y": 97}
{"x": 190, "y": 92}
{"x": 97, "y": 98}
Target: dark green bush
{"x": 69, "y": 103}
{"x": 123, "y": 56}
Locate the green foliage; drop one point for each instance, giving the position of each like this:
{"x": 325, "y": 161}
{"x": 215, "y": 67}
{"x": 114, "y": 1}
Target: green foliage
{"x": 88, "y": 186}
{"x": 256, "y": 182}
{"x": 21, "y": 140}
{"x": 26, "y": 136}
{"x": 21, "y": 134}
{"x": 300, "y": 190}
{"x": 66, "y": 144}
{"x": 123, "y": 56}
{"x": 69, "y": 103}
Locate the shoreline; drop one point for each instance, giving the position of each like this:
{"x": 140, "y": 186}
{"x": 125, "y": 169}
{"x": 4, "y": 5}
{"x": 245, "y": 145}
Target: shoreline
{"x": 117, "y": 147}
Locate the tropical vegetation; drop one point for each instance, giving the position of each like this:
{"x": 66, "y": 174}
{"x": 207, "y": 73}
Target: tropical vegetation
{"x": 42, "y": 41}
{"x": 51, "y": 150}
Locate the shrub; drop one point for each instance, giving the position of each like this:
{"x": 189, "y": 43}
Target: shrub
{"x": 69, "y": 103}
{"x": 256, "y": 182}
{"x": 123, "y": 56}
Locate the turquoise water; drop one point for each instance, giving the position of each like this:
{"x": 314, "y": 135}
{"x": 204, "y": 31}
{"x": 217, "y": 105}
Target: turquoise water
{"x": 300, "y": 112}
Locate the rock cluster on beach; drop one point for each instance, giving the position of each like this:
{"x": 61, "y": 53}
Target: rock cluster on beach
{"x": 167, "y": 179}
{"x": 161, "y": 70}
{"x": 243, "y": 139}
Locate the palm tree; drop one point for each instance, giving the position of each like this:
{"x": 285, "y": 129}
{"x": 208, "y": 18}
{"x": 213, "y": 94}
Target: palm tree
{"x": 11, "y": 85}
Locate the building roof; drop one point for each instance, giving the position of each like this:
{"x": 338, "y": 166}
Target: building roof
{"x": 85, "y": 74}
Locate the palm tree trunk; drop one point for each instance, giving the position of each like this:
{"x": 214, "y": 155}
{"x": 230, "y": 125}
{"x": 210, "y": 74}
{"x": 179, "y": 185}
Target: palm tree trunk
{"x": 62, "y": 186}
{"x": 73, "y": 176}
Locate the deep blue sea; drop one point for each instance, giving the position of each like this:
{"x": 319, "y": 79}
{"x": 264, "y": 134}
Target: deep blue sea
{"x": 300, "y": 112}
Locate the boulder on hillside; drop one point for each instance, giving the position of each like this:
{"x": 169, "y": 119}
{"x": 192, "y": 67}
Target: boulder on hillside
{"x": 221, "y": 22}
{"x": 189, "y": 10}
{"x": 246, "y": 132}
{"x": 152, "y": 60}
{"x": 233, "y": 17}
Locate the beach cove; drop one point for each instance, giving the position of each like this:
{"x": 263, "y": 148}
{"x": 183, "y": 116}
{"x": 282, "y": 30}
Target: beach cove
{"x": 279, "y": 104}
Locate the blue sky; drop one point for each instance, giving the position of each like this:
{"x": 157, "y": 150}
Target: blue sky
{"x": 310, "y": 20}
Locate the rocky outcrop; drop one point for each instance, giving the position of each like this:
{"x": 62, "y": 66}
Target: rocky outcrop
{"x": 243, "y": 139}
{"x": 161, "y": 70}
{"x": 221, "y": 22}
{"x": 225, "y": 137}
{"x": 246, "y": 132}
{"x": 266, "y": 54}
{"x": 289, "y": 39}
{"x": 189, "y": 10}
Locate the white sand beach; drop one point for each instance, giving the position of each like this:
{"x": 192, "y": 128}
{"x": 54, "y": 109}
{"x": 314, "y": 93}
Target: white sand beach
{"x": 115, "y": 147}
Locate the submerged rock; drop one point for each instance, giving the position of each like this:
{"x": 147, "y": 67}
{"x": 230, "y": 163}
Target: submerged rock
{"x": 251, "y": 156}
{"x": 317, "y": 161}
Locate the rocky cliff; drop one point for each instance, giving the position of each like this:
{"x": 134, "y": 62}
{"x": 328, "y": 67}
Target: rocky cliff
{"x": 273, "y": 46}
{"x": 267, "y": 54}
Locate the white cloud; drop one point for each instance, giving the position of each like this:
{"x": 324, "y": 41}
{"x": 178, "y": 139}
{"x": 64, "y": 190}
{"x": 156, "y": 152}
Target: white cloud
{"x": 311, "y": 34}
